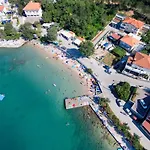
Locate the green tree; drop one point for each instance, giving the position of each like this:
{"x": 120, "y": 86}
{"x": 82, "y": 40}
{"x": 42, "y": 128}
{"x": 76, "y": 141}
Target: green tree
{"x": 123, "y": 90}
{"x": 27, "y": 32}
{"x": 52, "y": 34}
{"x": 89, "y": 70}
{"x": 86, "y": 48}
{"x": 10, "y": 32}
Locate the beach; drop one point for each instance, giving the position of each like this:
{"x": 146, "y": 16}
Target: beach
{"x": 52, "y": 52}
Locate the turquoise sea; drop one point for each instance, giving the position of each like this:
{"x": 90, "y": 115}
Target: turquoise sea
{"x": 32, "y": 115}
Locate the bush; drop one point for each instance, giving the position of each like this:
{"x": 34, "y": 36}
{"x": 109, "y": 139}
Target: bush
{"x": 89, "y": 70}
{"x": 123, "y": 90}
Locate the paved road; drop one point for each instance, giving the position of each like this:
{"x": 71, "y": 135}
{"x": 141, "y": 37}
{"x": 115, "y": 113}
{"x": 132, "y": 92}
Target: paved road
{"x": 107, "y": 80}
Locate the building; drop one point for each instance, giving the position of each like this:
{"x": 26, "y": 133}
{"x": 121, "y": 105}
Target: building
{"x": 78, "y": 41}
{"x": 114, "y": 37}
{"x": 33, "y": 9}
{"x": 67, "y": 34}
{"x": 131, "y": 25}
{"x": 129, "y": 42}
{"x": 138, "y": 66}
{"x": 146, "y": 124}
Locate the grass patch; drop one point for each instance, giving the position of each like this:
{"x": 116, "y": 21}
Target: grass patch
{"x": 118, "y": 52}
{"x": 109, "y": 59}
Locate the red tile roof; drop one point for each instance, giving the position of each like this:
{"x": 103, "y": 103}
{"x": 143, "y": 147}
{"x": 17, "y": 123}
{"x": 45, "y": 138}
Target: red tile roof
{"x": 138, "y": 24}
{"x": 1, "y": 7}
{"x": 146, "y": 125}
{"x": 130, "y": 40}
{"x": 141, "y": 60}
{"x": 32, "y": 6}
{"x": 115, "y": 36}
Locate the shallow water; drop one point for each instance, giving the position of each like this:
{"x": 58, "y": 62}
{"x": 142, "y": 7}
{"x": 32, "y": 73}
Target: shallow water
{"x": 32, "y": 115}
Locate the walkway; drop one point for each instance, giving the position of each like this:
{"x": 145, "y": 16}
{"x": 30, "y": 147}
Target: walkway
{"x": 118, "y": 137}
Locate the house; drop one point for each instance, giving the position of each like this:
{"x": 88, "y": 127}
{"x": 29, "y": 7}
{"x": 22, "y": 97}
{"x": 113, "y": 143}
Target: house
{"x": 78, "y": 41}
{"x": 33, "y": 9}
{"x": 67, "y": 34}
{"x": 138, "y": 66}
{"x": 131, "y": 25}
{"x": 129, "y": 42}
{"x": 114, "y": 37}
{"x": 146, "y": 124}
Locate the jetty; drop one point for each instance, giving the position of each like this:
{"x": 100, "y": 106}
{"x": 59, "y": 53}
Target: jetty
{"x": 75, "y": 102}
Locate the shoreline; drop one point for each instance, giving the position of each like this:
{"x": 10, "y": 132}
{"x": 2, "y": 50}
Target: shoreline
{"x": 71, "y": 65}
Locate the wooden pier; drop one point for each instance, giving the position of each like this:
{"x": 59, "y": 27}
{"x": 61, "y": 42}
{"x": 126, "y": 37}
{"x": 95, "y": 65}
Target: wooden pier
{"x": 77, "y": 102}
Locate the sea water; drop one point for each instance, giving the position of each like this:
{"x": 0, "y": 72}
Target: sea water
{"x": 32, "y": 114}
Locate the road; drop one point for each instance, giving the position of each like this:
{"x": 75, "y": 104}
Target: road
{"x": 106, "y": 80}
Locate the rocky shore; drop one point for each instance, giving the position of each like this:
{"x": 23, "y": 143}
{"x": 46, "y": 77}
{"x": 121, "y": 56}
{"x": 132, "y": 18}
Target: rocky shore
{"x": 12, "y": 43}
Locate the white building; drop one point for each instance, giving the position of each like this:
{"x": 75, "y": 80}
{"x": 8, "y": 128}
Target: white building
{"x": 78, "y": 41}
{"x": 33, "y": 9}
{"x": 67, "y": 34}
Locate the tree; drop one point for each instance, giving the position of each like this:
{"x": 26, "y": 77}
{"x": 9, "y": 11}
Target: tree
{"x": 123, "y": 90}
{"x": 146, "y": 37}
{"x": 89, "y": 70}
{"x": 86, "y": 48}
{"x": 10, "y": 32}
{"x": 52, "y": 34}
{"x": 27, "y": 32}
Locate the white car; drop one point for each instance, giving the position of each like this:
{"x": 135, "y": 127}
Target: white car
{"x": 143, "y": 103}
{"x": 128, "y": 111}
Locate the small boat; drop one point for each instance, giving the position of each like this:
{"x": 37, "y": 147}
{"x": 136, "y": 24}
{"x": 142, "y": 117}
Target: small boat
{"x": 2, "y": 96}
{"x": 54, "y": 84}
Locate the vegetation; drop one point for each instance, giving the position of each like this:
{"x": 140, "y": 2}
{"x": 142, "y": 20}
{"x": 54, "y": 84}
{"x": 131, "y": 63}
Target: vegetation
{"x": 109, "y": 59}
{"x": 52, "y": 34}
{"x": 27, "y": 32}
{"x": 146, "y": 37}
{"x": 84, "y": 17}
{"x": 89, "y": 70}
{"x": 134, "y": 139}
{"x": 86, "y": 48}
{"x": 118, "y": 52}
{"x": 9, "y": 32}
{"x": 134, "y": 93}
{"x": 123, "y": 90}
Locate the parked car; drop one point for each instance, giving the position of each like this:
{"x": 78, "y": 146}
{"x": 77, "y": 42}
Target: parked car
{"x": 120, "y": 102}
{"x": 63, "y": 47}
{"x": 128, "y": 111}
{"x": 142, "y": 102}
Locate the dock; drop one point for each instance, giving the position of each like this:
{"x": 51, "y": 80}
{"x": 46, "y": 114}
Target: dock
{"x": 77, "y": 102}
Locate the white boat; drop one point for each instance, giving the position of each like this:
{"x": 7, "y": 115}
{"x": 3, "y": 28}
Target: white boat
{"x": 54, "y": 84}
{"x": 2, "y": 96}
